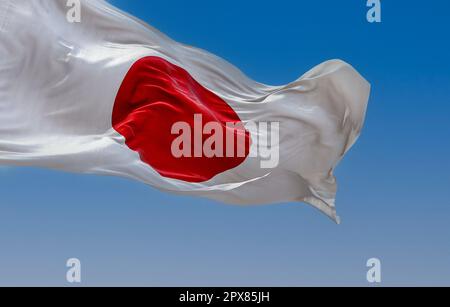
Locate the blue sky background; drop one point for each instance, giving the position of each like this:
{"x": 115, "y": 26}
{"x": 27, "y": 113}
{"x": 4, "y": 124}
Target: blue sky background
{"x": 394, "y": 186}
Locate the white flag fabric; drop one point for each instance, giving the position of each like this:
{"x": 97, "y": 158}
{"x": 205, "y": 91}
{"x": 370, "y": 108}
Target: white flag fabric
{"x": 109, "y": 95}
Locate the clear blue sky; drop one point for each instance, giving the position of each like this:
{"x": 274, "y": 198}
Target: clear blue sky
{"x": 394, "y": 186}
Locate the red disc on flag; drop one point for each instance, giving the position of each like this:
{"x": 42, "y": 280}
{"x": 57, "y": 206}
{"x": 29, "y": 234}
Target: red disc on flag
{"x": 156, "y": 95}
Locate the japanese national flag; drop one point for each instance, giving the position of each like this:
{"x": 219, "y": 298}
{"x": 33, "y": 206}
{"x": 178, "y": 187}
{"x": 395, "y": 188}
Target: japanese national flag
{"x": 111, "y": 95}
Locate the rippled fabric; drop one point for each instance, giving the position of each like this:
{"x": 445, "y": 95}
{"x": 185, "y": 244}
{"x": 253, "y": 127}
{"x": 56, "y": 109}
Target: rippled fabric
{"x": 59, "y": 82}
{"x": 156, "y": 94}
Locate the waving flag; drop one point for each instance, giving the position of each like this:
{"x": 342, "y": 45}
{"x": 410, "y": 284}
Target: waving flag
{"x": 111, "y": 95}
